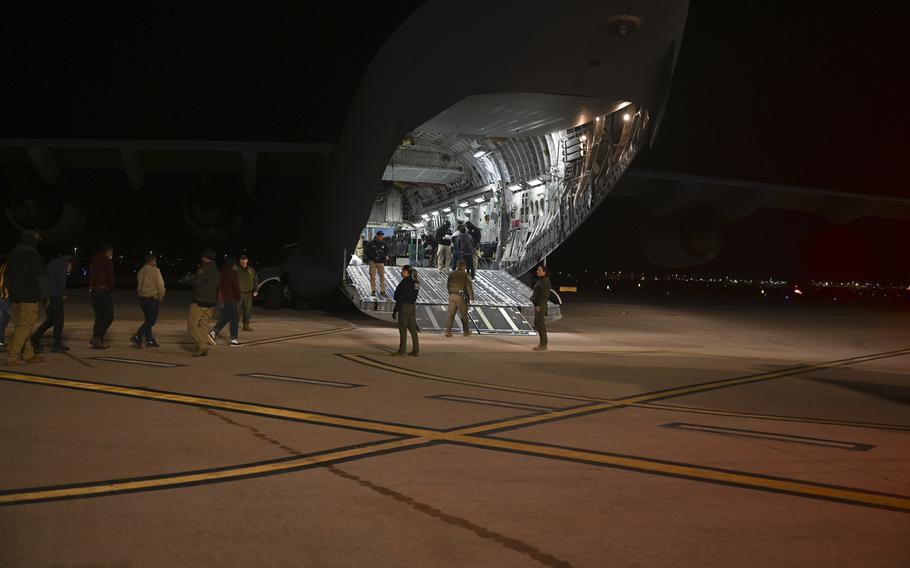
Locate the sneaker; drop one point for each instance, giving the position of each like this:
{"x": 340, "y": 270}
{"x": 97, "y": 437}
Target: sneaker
{"x": 96, "y": 343}
{"x": 201, "y": 353}
{"x": 152, "y": 343}
{"x": 35, "y": 359}
{"x": 212, "y": 338}
{"x": 235, "y": 343}
{"x": 59, "y": 348}
{"x": 14, "y": 361}
{"x": 540, "y": 348}
{"x": 136, "y": 341}
{"x": 468, "y": 333}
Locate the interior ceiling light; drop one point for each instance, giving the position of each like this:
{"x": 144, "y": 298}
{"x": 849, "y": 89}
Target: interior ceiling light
{"x": 534, "y": 182}
{"x": 425, "y": 216}
{"x": 627, "y": 117}
{"x": 463, "y": 204}
{"x": 418, "y": 225}
{"x": 515, "y": 186}
{"x": 479, "y": 153}
{"x": 446, "y": 209}
{"x": 479, "y": 200}
{"x": 434, "y": 212}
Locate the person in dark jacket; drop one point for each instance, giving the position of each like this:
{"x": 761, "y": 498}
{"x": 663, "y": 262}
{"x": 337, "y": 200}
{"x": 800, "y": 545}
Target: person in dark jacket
{"x": 463, "y": 244}
{"x": 377, "y": 253}
{"x": 444, "y": 245}
{"x": 406, "y": 311}
{"x": 57, "y": 270}
{"x": 205, "y": 296}
{"x": 4, "y": 304}
{"x": 539, "y": 297}
{"x": 101, "y": 287}
{"x": 229, "y": 293}
{"x": 27, "y": 284}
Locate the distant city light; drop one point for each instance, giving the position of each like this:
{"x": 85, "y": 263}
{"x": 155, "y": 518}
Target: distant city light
{"x": 797, "y": 291}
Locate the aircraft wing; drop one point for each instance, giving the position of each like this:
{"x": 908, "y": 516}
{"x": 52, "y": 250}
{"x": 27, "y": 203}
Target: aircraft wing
{"x": 733, "y": 199}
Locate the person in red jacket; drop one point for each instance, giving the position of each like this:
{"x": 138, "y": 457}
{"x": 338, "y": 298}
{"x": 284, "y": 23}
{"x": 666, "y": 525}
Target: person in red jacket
{"x": 101, "y": 286}
{"x": 229, "y": 294}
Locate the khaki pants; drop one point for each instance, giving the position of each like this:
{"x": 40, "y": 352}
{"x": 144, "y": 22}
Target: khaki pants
{"x": 457, "y": 303}
{"x": 246, "y": 307}
{"x": 407, "y": 322}
{"x": 24, "y": 317}
{"x": 197, "y": 324}
{"x": 374, "y": 268}
{"x": 444, "y": 257}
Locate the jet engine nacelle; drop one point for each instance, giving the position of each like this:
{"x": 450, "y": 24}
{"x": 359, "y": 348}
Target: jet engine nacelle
{"x": 683, "y": 239}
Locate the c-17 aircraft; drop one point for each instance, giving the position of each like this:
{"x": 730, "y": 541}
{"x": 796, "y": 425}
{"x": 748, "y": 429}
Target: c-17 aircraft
{"x": 521, "y": 117}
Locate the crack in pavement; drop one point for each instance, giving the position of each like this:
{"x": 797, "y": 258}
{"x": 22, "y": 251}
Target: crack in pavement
{"x": 482, "y": 532}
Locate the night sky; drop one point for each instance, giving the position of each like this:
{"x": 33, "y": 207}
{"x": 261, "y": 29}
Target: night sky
{"x": 798, "y": 93}
{"x": 801, "y": 93}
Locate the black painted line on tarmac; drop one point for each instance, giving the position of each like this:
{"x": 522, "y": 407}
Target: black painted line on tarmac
{"x": 256, "y": 342}
{"x": 771, "y": 417}
{"x": 720, "y": 480}
{"x": 771, "y": 436}
{"x": 78, "y": 360}
{"x": 492, "y": 402}
{"x": 217, "y": 400}
{"x": 158, "y": 364}
{"x": 317, "y": 382}
{"x": 201, "y": 472}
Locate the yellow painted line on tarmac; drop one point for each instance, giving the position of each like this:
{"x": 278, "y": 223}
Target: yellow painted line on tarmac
{"x": 256, "y": 342}
{"x": 741, "y": 479}
{"x": 221, "y": 404}
{"x": 204, "y": 477}
{"x": 418, "y": 437}
{"x": 368, "y": 361}
{"x": 773, "y": 417}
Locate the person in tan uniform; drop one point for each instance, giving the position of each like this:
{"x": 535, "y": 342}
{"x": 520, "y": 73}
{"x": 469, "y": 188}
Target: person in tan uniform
{"x": 151, "y": 291}
{"x": 461, "y": 293}
{"x": 205, "y": 297}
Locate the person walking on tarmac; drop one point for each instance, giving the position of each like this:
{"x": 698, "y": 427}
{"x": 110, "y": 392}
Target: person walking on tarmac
{"x": 377, "y": 253}
{"x": 57, "y": 270}
{"x": 229, "y": 283}
{"x": 4, "y": 304}
{"x": 444, "y": 246}
{"x": 101, "y": 286}
{"x": 249, "y": 286}
{"x": 27, "y": 284}
{"x": 150, "y": 289}
{"x": 461, "y": 293}
{"x": 539, "y": 297}
{"x": 205, "y": 296}
{"x": 406, "y": 311}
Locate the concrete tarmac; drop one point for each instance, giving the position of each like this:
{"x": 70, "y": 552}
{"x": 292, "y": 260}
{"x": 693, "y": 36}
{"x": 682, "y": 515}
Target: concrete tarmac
{"x": 649, "y": 435}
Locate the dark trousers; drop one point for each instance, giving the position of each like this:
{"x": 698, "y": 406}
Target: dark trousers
{"x": 407, "y": 322}
{"x": 230, "y": 312}
{"x": 54, "y": 318}
{"x": 468, "y": 260}
{"x": 150, "y": 311}
{"x": 540, "y": 325}
{"x": 103, "y": 306}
